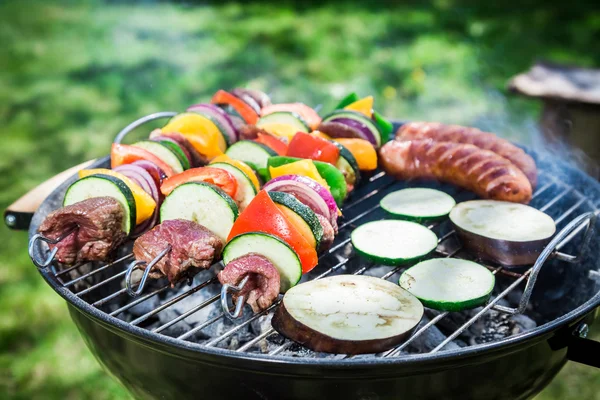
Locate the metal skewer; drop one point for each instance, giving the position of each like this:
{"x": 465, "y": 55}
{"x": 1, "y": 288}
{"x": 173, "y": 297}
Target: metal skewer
{"x": 38, "y": 236}
{"x": 135, "y": 265}
{"x": 227, "y": 290}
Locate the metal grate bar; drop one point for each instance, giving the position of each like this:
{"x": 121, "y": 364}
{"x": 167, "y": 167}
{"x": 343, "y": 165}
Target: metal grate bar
{"x": 257, "y": 339}
{"x": 200, "y": 327}
{"x": 395, "y": 351}
{"x": 187, "y": 313}
{"x": 569, "y": 211}
{"x": 82, "y": 277}
{"x": 138, "y": 300}
{"x": 108, "y": 298}
{"x": 173, "y": 301}
{"x": 66, "y": 270}
{"x": 556, "y": 198}
{"x": 491, "y": 304}
{"x": 104, "y": 282}
{"x": 542, "y": 189}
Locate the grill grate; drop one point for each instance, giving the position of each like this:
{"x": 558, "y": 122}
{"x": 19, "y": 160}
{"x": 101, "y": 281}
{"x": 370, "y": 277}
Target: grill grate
{"x": 559, "y": 200}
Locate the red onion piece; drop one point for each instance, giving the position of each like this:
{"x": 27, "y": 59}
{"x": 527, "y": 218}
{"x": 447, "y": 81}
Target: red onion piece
{"x": 307, "y": 191}
{"x": 157, "y": 174}
{"x": 145, "y": 180}
{"x": 362, "y": 128}
{"x": 221, "y": 117}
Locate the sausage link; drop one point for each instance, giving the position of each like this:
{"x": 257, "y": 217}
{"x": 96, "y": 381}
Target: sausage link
{"x": 462, "y": 134}
{"x": 481, "y": 171}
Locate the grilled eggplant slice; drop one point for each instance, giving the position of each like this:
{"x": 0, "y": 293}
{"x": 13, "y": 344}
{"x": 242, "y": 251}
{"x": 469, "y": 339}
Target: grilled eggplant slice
{"x": 508, "y": 233}
{"x": 349, "y": 314}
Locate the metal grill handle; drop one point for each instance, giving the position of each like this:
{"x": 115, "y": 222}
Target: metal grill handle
{"x": 141, "y": 121}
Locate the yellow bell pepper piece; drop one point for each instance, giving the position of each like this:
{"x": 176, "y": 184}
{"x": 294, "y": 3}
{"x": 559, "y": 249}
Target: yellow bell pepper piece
{"x": 144, "y": 203}
{"x": 363, "y": 106}
{"x": 321, "y": 135}
{"x": 303, "y": 168}
{"x": 280, "y": 130}
{"x": 362, "y": 150}
{"x": 224, "y": 158}
{"x": 201, "y": 132}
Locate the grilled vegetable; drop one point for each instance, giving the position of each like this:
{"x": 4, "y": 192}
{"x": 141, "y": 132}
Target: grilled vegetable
{"x": 144, "y": 203}
{"x": 347, "y": 314}
{"x": 507, "y": 233}
{"x": 309, "y": 192}
{"x": 349, "y": 99}
{"x": 418, "y": 204}
{"x": 283, "y": 124}
{"x": 215, "y": 176}
{"x": 312, "y": 147}
{"x": 363, "y": 151}
{"x": 363, "y": 106}
{"x": 334, "y": 178}
{"x": 246, "y": 190}
{"x": 281, "y": 255}
{"x": 295, "y": 166}
{"x": 255, "y": 154}
{"x": 179, "y": 151}
{"x": 124, "y": 154}
{"x": 242, "y": 108}
{"x": 202, "y": 203}
{"x": 100, "y": 186}
{"x": 221, "y": 117}
{"x": 367, "y": 128}
{"x": 299, "y": 215}
{"x": 392, "y": 242}
{"x": 164, "y": 152}
{"x": 449, "y": 284}
{"x": 216, "y": 122}
{"x": 246, "y": 169}
{"x": 273, "y": 143}
{"x": 308, "y": 115}
{"x": 262, "y": 215}
{"x": 200, "y": 131}
{"x": 348, "y": 166}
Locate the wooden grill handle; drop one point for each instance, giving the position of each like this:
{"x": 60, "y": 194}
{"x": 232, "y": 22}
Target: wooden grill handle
{"x": 18, "y": 215}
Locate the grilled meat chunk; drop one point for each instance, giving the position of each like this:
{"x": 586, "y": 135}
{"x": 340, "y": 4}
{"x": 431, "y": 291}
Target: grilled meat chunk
{"x": 263, "y": 284}
{"x": 95, "y": 226}
{"x": 250, "y": 132}
{"x": 462, "y": 134}
{"x": 193, "y": 248}
{"x": 328, "y": 234}
{"x": 481, "y": 171}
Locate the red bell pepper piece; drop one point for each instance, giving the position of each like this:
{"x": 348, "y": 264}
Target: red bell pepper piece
{"x": 262, "y": 215}
{"x": 313, "y": 147}
{"x": 218, "y": 177}
{"x": 124, "y": 154}
{"x": 273, "y": 143}
{"x": 223, "y": 97}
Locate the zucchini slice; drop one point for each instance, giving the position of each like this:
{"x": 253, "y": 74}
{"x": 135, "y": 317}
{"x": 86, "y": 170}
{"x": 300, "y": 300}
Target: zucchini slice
{"x": 449, "y": 284}
{"x": 300, "y": 215}
{"x": 202, "y": 203}
{"x": 393, "y": 242}
{"x": 347, "y": 165}
{"x": 101, "y": 185}
{"x": 284, "y": 118}
{"x": 348, "y": 314}
{"x": 254, "y": 154}
{"x": 246, "y": 190}
{"x": 283, "y": 257}
{"x": 163, "y": 152}
{"x": 418, "y": 204}
{"x": 174, "y": 147}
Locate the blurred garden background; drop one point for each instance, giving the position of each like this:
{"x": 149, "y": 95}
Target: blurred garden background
{"x": 72, "y": 74}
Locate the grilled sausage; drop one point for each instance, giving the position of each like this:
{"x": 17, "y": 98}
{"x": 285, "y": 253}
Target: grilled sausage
{"x": 462, "y": 134}
{"x": 481, "y": 171}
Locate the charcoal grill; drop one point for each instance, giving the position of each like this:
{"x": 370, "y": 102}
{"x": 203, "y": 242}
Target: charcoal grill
{"x": 158, "y": 357}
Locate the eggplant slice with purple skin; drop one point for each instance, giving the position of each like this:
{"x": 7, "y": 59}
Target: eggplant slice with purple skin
{"x": 348, "y": 314}
{"x": 507, "y": 233}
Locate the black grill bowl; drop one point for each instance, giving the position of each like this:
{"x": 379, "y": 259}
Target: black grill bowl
{"x": 157, "y": 366}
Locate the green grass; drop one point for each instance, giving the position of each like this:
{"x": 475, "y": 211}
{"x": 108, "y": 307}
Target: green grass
{"x": 72, "y": 74}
